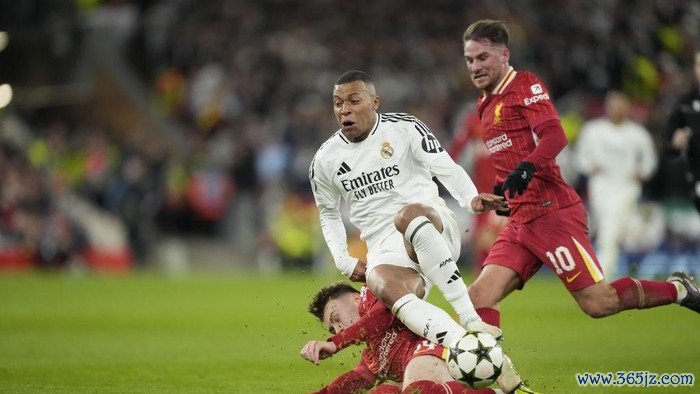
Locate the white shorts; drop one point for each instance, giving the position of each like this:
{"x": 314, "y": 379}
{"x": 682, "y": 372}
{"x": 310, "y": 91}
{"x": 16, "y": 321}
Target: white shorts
{"x": 387, "y": 247}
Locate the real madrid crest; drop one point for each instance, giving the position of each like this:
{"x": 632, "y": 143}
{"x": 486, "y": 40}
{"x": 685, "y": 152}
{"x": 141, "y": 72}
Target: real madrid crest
{"x": 387, "y": 151}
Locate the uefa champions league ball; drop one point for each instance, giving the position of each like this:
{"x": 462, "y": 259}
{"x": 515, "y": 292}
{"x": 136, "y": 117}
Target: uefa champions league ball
{"x": 475, "y": 359}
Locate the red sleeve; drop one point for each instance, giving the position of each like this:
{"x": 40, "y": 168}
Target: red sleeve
{"x": 470, "y": 123}
{"x": 458, "y": 144}
{"x": 551, "y": 141}
{"x": 353, "y": 381}
{"x": 377, "y": 319}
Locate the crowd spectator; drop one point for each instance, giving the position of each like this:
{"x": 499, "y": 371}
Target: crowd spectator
{"x": 248, "y": 84}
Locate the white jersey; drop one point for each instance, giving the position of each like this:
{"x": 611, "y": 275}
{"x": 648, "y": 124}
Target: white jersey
{"x": 615, "y": 155}
{"x": 391, "y": 168}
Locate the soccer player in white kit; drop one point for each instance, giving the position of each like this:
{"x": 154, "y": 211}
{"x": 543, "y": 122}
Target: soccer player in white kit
{"x": 617, "y": 155}
{"x": 382, "y": 166}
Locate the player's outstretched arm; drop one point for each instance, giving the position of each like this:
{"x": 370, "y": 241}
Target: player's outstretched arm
{"x": 349, "y": 382}
{"x": 353, "y": 381}
{"x": 315, "y": 351}
{"x": 377, "y": 319}
{"x": 328, "y": 203}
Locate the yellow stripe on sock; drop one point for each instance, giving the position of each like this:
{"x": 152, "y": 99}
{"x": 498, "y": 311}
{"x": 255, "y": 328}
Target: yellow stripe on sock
{"x": 588, "y": 260}
{"x": 640, "y": 293}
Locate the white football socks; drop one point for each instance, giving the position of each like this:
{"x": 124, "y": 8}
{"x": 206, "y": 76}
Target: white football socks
{"x": 436, "y": 261}
{"x": 427, "y": 320}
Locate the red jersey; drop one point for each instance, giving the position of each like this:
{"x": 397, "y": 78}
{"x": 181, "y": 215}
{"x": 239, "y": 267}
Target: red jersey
{"x": 509, "y": 116}
{"x": 390, "y": 344}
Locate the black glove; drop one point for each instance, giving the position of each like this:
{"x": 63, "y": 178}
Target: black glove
{"x": 497, "y": 191}
{"x": 518, "y": 179}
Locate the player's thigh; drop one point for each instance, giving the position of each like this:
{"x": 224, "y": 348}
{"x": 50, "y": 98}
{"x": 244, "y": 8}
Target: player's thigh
{"x": 492, "y": 285}
{"x": 560, "y": 240}
{"x": 391, "y": 282}
{"x": 396, "y": 273}
{"x": 507, "y": 267}
{"x": 426, "y": 367}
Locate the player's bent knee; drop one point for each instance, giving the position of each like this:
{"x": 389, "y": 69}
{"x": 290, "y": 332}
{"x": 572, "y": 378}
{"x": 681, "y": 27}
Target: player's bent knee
{"x": 593, "y": 311}
{"x": 389, "y": 283}
{"x": 412, "y": 211}
{"x": 404, "y": 216}
{"x": 476, "y": 294}
{"x": 482, "y": 296}
{"x": 597, "y": 308}
{"x": 597, "y": 301}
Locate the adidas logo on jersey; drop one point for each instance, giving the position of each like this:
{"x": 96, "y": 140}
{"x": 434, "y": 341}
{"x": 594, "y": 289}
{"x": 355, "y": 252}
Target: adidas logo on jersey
{"x": 344, "y": 169}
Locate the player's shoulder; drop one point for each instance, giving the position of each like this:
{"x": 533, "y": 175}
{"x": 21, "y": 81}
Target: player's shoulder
{"x": 526, "y": 76}
{"x": 397, "y": 117}
{"x": 327, "y": 152}
{"x": 595, "y": 123}
{"x": 595, "y": 126}
{"x": 405, "y": 121}
{"x": 336, "y": 140}
{"x": 528, "y": 83}
{"x": 639, "y": 129}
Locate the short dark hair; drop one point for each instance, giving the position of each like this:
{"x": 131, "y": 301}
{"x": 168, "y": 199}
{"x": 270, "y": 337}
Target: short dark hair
{"x": 354, "y": 75}
{"x": 332, "y": 292}
{"x": 490, "y": 29}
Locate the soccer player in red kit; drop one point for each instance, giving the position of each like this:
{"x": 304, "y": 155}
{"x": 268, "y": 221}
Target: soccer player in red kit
{"x": 547, "y": 223}
{"x": 393, "y": 351}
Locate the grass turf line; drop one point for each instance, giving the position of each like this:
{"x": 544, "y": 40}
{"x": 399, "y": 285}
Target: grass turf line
{"x": 228, "y": 333}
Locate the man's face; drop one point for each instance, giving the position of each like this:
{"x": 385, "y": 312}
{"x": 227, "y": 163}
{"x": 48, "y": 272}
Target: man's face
{"x": 617, "y": 107}
{"x": 487, "y": 63}
{"x": 355, "y": 106}
{"x": 341, "y": 312}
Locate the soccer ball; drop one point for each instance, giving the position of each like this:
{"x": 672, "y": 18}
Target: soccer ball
{"x": 475, "y": 359}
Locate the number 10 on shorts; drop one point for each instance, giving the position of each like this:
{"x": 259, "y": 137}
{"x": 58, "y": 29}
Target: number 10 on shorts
{"x": 561, "y": 260}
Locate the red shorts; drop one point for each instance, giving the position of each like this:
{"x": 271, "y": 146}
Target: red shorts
{"x": 559, "y": 239}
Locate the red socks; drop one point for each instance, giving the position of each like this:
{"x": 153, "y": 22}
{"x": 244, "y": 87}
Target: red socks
{"x": 643, "y": 294}
{"x": 429, "y": 387}
{"x": 490, "y": 316}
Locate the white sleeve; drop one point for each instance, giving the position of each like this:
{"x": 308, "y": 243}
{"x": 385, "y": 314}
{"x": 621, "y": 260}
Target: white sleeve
{"x": 426, "y": 149}
{"x": 647, "y": 159}
{"x": 585, "y": 155}
{"x": 328, "y": 202}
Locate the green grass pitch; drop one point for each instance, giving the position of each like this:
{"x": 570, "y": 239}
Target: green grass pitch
{"x": 243, "y": 333}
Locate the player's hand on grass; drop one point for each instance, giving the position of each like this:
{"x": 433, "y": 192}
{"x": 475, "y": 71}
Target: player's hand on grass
{"x": 486, "y": 202}
{"x": 358, "y": 275}
{"x": 315, "y": 351}
{"x": 518, "y": 179}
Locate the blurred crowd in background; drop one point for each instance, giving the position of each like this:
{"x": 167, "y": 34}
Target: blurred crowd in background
{"x": 138, "y": 125}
